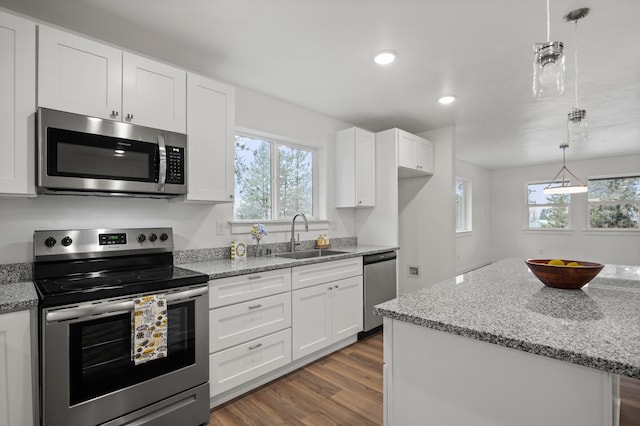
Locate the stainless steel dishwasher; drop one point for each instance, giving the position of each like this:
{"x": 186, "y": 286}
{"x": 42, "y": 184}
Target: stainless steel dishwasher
{"x": 379, "y": 285}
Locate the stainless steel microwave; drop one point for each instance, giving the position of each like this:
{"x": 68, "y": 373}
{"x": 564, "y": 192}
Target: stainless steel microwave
{"x": 93, "y": 156}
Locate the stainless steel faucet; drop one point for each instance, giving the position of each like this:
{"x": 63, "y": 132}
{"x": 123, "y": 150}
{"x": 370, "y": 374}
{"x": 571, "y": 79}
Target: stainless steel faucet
{"x": 293, "y": 224}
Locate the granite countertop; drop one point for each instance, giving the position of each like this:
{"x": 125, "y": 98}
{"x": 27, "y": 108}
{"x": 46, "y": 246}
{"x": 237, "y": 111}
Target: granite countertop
{"x": 505, "y": 304}
{"x": 17, "y": 296}
{"x": 222, "y": 268}
{"x": 21, "y": 294}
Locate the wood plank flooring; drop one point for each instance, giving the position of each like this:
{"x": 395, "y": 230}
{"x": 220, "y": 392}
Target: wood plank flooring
{"x": 344, "y": 388}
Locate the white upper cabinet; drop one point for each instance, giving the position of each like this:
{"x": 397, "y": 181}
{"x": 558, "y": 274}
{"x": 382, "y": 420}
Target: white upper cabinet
{"x": 415, "y": 155}
{"x": 355, "y": 168}
{"x": 210, "y": 128}
{"x": 153, "y": 94}
{"x": 17, "y": 105}
{"x": 78, "y": 75}
{"x": 86, "y": 77}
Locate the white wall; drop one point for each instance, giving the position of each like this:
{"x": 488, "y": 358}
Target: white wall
{"x": 194, "y": 224}
{"x": 510, "y": 239}
{"x": 473, "y": 248}
{"x": 427, "y": 218}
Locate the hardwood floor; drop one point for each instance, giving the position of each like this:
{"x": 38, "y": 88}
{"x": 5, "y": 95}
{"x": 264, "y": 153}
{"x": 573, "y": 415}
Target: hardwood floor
{"x": 345, "y": 388}
{"x": 630, "y": 402}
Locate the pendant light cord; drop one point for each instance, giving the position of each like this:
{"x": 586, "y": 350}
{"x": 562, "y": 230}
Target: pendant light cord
{"x": 576, "y": 62}
{"x": 548, "y": 23}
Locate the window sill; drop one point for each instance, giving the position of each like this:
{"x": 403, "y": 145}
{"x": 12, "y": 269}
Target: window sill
{"x": 563, "y": 231}
{"x": 617, "y": 232}
{"x": 276, "y": 226}
{"x": 465, "y": 233}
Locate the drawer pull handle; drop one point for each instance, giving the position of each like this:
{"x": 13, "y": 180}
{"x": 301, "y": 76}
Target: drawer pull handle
{"x": 255, "y": 306}
{"x": 254, "y": 277}
{"x": 255, "y": 346}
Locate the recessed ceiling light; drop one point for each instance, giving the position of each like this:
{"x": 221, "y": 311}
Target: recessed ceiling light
{"x": 385, "y": 57}
{"x": 446, "y": 100}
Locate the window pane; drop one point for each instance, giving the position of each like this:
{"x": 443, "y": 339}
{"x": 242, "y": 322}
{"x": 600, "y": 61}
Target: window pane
{"x": 296, "y": 181}
{"x": 614, "y": 189}
{"x": 548, "y": 217}
{"x": 537, "y": 196}
{"x": 460, "y": 204}
{"x": 252, "y": 178}
{"x": 614, "y": 202}
{"x": 617, "y": 216}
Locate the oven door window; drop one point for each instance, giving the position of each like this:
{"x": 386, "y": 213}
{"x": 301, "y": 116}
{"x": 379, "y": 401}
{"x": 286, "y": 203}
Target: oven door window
{"x": 100, "y": 353}
{"x": 86, "y": 155}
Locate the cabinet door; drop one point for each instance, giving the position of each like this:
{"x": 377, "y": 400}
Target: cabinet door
{"x": 210, "y": 127}
{"x": 15, "y": 369}
{"x": 406, "y": 150}
{"x": 311, "y": 319}
{"x": 226, "y": 291}
{"x": 365, "y": 145}
{"x": 424, "y": 155}
{"x": 235, "y": 324}
{"x": 78, "y": 75}
{"x": 318, "y": 273}
{"x": 153, "y": 94}
{"x": 17, "y": 105}
{"x": 347, "y": 308}
{"x": 239, "y": 364}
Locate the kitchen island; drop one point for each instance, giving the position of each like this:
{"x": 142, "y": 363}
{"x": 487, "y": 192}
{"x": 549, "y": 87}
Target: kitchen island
{"x": 497, "y": 347}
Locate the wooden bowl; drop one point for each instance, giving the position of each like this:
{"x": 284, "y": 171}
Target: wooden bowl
{"x": 566, "y": 277}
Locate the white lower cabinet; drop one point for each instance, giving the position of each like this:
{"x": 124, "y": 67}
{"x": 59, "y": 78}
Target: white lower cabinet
{"x": 238, "y": 323}
{"x": 237, "y": 365}
{"x": 16, "y": 398}
{"x": 258, "y": 326}
{"x": 325, "y": 314}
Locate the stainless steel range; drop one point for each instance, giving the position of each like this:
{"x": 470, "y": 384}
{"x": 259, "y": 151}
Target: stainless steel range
{"x": 91, "y": 371}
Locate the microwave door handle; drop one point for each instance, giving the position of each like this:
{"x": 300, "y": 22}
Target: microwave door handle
{"x": 162, "y": 171}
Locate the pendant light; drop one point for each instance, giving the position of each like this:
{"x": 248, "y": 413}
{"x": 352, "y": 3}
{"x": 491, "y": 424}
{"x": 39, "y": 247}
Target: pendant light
{"x": 548, "y": 66}
{"x": 577, "y": 118}
{"x": 569, "y": 183}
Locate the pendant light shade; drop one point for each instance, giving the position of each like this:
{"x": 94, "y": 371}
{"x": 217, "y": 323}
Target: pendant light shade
{"x": 577, "y": 126}
{"x": 548, "y": 70}
{"x": 548, "y": 66}
{"x": 577, "y": 118}
{"x": 565, "y": 182}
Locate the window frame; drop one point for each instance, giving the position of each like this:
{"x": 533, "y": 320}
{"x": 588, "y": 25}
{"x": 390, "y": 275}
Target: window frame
{"x": 589, "y": 203}
{"x": 275, "y": 142}
{"x": 467, "y": 205}
{"x": 546, "y": 205}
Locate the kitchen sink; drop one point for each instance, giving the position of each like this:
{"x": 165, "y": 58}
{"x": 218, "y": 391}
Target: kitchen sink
{"x": 306, "y": 254}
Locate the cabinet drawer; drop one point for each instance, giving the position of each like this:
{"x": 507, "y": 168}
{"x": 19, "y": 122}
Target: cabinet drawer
{"x": 226, "y": 291}
{"x": 318, "y": 273}
{"x": 231, "y": 325}
{"x": 239, "y": 364}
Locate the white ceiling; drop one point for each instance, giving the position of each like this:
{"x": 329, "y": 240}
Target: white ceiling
{"x": 318, "y": 54}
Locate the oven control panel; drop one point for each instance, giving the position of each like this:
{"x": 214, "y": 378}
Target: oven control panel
{"x": 88, "y": 243}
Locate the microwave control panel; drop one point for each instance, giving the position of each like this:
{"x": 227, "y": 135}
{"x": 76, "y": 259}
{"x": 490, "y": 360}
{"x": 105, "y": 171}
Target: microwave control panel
{"x": 175, "y": 165}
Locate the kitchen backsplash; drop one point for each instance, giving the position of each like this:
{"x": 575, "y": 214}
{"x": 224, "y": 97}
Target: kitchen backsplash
{"x": 16, "y": 272}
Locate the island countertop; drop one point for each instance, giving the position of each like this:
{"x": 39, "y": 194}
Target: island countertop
{"x": 503, "y": 303}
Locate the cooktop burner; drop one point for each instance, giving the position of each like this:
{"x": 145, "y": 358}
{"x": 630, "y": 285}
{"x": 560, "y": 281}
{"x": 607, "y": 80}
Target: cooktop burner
{"x": 106, "y": 284}
{"x": 89, "y": 265}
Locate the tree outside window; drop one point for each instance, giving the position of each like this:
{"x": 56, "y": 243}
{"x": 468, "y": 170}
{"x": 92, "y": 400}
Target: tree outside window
{"x": 614, "y": 203}
{"x": 546, "y": 211}
{"x": 273, "y": 180}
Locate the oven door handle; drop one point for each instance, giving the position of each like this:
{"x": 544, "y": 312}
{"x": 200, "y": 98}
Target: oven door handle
{"x": 113, "y": 308}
